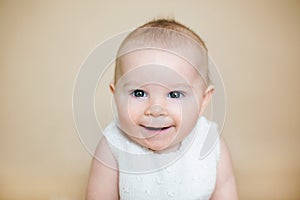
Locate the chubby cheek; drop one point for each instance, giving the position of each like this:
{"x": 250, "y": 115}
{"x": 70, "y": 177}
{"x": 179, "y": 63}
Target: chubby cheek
{"x": 135, "y": 110}
{"x": 191, "y": 110}
{"x": 129, "y": 113}
{"x": 188, "y": 118}
{"x": 174, "y": 110}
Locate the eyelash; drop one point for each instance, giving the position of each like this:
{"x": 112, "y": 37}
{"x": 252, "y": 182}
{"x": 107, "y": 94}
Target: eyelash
{"x": 142, "y": 94}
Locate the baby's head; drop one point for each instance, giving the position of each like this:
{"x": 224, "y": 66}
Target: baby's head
{"x": 161, "y": 84}
{"x": 170, "y": 36}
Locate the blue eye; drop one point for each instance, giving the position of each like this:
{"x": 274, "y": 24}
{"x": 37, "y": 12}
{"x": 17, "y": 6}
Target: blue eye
{"x": 175, "y": 94}
{"x": 139, "y": 93}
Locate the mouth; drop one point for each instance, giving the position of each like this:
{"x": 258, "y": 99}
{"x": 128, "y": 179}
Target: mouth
{"x": 156, "y": 129}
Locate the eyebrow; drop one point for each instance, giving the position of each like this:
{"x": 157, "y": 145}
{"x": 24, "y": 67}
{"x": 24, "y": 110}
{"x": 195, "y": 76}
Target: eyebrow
{"x": 132, "y": 83}
{"x": 179, "y": 85}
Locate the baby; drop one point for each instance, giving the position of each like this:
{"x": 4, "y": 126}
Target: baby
{"x": 151, "y": 150}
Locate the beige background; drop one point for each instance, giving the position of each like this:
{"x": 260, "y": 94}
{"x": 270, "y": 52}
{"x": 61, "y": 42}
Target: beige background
{"x": 255, "y": 44}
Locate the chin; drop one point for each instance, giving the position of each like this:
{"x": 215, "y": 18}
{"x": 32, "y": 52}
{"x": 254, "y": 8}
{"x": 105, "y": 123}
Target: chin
{"x": 157, "y": 148}
{"x": 161, "y": 147}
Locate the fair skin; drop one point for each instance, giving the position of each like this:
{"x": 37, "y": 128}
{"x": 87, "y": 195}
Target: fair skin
{"x": 156, "y": 112}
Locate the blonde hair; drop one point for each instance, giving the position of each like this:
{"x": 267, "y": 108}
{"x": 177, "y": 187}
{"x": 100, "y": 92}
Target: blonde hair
{"x": 171, "y": 24}
{"x": 170, "y": 34}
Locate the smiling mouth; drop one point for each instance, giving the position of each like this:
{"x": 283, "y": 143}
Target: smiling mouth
{"x": 156, "y": 128}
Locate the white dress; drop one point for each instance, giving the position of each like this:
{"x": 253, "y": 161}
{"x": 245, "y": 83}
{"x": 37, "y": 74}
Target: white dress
{"x": 144, "y": 174}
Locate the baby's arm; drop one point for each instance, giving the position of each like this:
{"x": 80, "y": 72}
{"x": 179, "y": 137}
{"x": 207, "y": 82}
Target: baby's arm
{"x": 225, "y": 185}
{"x": 103, "y": 180}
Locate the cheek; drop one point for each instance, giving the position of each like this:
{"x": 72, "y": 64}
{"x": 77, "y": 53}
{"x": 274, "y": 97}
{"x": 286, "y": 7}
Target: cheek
{"x": 134, "y": 110}
{"x": 186, "y": 108}
{"x": 190, "y": 109}
{"x": 189, "y": 118}
{"x": 130, "y": 110}
{"x": 174, "y": 110}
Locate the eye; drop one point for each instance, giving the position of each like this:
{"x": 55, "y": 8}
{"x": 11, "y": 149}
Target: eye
{"x": 139, "y": 93}
{"x": 175, "y": 94}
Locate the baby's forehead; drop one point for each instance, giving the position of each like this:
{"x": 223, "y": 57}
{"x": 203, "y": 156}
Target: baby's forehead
{"x": 177, "y": 54}
{"x": 182, "y": 54}
{"x": 156, "y": 66}
{"x": 153, "y": 56}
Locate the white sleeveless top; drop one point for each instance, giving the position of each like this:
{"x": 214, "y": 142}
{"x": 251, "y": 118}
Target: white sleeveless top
{"x": 144, "y": 174}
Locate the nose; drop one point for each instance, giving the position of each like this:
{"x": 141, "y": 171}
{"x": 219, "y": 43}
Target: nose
{"x": 156, "y": 108}
{"x": 155, "y": 111}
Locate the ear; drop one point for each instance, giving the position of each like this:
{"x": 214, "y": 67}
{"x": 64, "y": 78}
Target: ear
{"x": 112, "y": 88}
{"x": 206, "y": 98}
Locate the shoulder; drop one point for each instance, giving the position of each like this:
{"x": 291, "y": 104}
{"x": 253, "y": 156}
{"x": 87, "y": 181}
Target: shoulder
{"x": 103, "y": 179}
{"x": 225, "y": 182}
